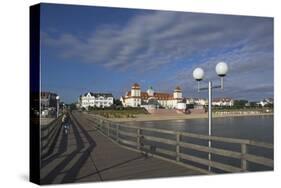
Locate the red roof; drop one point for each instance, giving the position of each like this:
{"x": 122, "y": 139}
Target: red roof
{"x": 159, "y": 96}
{"x": 135, "y": 86}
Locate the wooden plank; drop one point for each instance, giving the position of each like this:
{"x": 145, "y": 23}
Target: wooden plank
{"x": 225, "y": 167}
{"x": 160, "y": 140}
{"x": 134, "y": 135}
{"x": 178, "y": 137}
{"x": 127, "y": 142}
{"x": 160, "y": 150}
{"x": 167, "y": 152}
{"x": 149, "y": 129}
{"x": 159, "y": 130}
{"x": 229, "y": 140}
{"x": 222, "y": 152}
{"x": 259, "y": 160}
{"x": 215, "y": 138}
{"x": 139, "y": 139}
{"x": 261, "y": 144}
{"x": 244, "y": 163}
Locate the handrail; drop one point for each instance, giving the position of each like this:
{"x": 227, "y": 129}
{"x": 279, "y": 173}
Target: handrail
{"x": 200, "y": 136}
{"x": 139, "y": 136}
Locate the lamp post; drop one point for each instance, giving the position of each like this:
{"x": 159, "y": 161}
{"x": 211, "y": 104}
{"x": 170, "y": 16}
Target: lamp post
{"x": 198, "y": 74}
{"x": 58, "y": 105}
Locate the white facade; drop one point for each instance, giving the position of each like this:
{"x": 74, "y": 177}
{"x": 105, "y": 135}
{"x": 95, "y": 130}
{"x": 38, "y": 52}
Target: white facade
{"x": 223, "y": 102}
{"x": 202, "y": 102}
{"x": 266, "y": 101}
{"x": 150, "y": 98}
{"x": 96, "y": 100}
{"x": 197, "y": 101}
{"x": 181, "y": 106}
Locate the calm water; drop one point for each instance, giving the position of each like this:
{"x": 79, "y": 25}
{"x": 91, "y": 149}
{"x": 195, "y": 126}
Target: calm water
{"x": 259, "y": 128}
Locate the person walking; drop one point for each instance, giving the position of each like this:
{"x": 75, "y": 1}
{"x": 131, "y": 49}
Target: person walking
{"x": 65, "y": 123}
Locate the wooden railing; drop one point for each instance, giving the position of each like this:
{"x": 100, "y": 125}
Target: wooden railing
{"x": 141, "y": 136}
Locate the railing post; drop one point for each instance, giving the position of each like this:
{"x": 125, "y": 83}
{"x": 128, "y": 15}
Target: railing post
{"x": 178, "y": 137}
{"x": 138, "y": 138}
{"x": 244, "y": 151}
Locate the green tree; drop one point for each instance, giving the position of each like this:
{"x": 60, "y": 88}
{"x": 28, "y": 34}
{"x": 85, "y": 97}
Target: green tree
{"x": 117, "y": 102}
{"x": 240, "y": 103}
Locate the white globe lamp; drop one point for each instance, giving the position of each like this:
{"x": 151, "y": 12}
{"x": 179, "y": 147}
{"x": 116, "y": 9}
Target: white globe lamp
{"x": 198, "y": 74}
{"x": 221, "y": 69}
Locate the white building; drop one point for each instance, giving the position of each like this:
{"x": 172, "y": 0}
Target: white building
{"x": 196, "y": 101}
{"x": 224, "y": 101}
{"x": 150, "y": 98}
{"x": 96, "y": 100}
{"x": 267, "y": 101}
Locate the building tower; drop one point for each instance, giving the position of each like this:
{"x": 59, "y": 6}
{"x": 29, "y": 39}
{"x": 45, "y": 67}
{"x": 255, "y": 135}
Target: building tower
{"x": 136, "y": 95}
{"x": 135, "y": 90}
{"x": 177, "y": 93}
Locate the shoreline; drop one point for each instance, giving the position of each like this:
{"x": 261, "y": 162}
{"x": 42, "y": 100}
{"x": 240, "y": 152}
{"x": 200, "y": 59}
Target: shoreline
{"x": 143, "y": 118}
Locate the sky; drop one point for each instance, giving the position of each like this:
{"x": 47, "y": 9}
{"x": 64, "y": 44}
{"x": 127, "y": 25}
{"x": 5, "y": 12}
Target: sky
{"x": 101, "y": 49}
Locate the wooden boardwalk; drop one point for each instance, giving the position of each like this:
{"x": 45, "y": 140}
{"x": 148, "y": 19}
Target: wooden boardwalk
{"x": 84, "y": 155}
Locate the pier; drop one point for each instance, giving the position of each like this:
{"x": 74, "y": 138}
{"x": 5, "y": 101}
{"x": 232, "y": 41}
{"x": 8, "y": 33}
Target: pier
{"x": 86, "y": 154}
{"x": 97, "y": 149}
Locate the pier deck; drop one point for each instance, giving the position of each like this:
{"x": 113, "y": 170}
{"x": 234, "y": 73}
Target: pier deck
{"x": 84, "y": 154}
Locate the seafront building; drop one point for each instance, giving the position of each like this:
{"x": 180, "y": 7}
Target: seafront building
{"x": 266, "y": 101}
{"x": 223, "y": 101}
{"x": 48, "y": 100}
{"x": 48, "y": 103}
{"x": 196, "y": 101}
{"x": 151, "y": 99}
{"x": 95, "y": 100}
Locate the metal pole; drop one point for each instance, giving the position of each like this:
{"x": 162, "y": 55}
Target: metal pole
{"x": 57, "y": 108}
{"x": 222, "y": 83}
{"x": 210, "y": 120}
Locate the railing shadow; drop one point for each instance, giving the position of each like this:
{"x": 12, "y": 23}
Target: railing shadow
{"x": 61, "y": 149}
{"x": 72, "y": 173}
{"x": 50, "y": 177}
{"x": 114, "y": 166}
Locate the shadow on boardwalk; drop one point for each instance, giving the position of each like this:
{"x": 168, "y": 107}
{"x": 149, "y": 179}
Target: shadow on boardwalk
{"x": 82, "y": 152}
{"x": 85, "y": 155}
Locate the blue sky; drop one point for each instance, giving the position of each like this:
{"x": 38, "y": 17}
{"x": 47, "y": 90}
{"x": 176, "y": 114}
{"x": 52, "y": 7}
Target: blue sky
{"x": 101, "y": 49}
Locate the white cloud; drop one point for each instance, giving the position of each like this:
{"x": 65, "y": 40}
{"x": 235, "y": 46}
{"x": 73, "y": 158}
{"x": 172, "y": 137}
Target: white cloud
{"x": 160, "y": 38}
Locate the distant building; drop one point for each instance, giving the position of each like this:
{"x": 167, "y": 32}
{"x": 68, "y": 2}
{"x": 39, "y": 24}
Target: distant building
{"x": 196, "y": 101}
{"x": 48, "y": 100}
{"x": 151, "y": 99}
{"x": 266, "y": 101}
{"x": 96, "y": 100}
{"x": 224, "y": 101}
{"x": 189, "y": 100}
